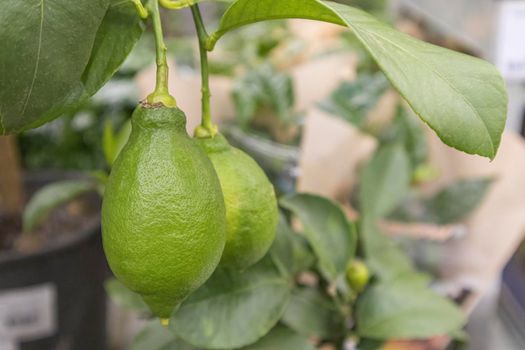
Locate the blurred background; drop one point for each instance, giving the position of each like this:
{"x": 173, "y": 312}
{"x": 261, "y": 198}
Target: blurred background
{"x": 309, "y": 104}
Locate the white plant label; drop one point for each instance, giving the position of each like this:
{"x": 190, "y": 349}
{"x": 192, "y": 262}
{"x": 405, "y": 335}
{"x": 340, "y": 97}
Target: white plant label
{"x": 511, "y": 46}
{"x": 27, "y": 314}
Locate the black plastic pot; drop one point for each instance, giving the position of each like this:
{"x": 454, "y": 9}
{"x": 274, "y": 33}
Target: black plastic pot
{"x": 54, "y": 299}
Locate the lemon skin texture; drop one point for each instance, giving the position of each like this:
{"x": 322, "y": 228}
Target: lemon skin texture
{"x": 163, "y": 214}
{"x": 251, "y": 205}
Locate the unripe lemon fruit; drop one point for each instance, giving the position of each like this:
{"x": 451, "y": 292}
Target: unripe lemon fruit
{"x": 357, "y": 275}
{"x": 251, "y": 206}
{"x": 163, "y": 215}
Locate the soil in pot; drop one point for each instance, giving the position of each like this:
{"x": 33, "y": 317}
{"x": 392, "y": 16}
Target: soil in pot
{"x": 51, "y": 280}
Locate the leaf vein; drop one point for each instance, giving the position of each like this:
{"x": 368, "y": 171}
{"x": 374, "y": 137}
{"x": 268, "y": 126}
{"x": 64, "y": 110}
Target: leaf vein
{"x": 443, "y": 78}
{"x": 37, "y": 57}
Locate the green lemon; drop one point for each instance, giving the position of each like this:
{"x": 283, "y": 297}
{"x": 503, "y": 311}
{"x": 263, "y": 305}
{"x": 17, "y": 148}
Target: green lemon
{"x": 163, "y": 215}
{"x": 251, "y": 206}
{"x": 357, "y": 275}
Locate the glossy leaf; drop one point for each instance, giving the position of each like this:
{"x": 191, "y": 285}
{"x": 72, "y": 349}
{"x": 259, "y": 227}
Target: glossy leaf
{"x": 50, "y": 197}
{"x": 124, "y": 297}
{"x": 384, "y": 182}
{"x": 116, "y": 37}
{"x": 234, "y": 308}
{"x": 398, "y": 310}
{"x": 331, "y": 235}
{"x": 59, "y": 55}
{"x": 461, "y": 97}
{"x": 281, "y": 337}
{"x": 313, "y": 314}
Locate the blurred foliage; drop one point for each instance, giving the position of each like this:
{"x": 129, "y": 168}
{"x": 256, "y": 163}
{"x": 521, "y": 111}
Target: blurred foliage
{"x": 264, "y": 87}
{"x": 353, "y": 100}
{"x": 245, "y": 49}
{"x": 452, "y": 204}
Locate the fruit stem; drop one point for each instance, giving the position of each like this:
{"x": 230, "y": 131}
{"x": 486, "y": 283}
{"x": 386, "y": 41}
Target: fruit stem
{"x": 143, "y": 12}
{"x": 176, "y": 4}
{"x": 207, "y": 128}
{"x": 161, "y": 93}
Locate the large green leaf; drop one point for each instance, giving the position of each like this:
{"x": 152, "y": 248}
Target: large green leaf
{"x": 461, "y": 97}
{"x": 50, "y": 197}
{"x": 57, "y": 53}
{"x": 385, "y": 181}
{"x": 120, "y": 30}
{"x": 328, "y": 231}
{"x": 313, "y": 314}
{"x": 404, "y": 310}
{"x": 282, "y": 338}
{"x": 234, "y": 308}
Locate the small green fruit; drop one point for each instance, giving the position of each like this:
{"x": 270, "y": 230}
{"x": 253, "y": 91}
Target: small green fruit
{"x": 357, "y": 275}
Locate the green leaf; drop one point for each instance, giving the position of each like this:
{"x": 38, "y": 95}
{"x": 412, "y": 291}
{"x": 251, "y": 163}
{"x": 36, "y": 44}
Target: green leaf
{"x": 327, "y": 229}
{"x": 50, "y": 197}
{"x": 290, "y": 251}
{"x": 281, "y": 338}
{"x": 233, "y": 309}
{"x": 120, "y": 30}
{"x": 313, "y": 314}
{"x": 473, "y": 117}
{"x": 59, "y": 55}
{"x": 400, "y": 310}
{"x": 124, "y": 297}
{"x": 450, "y": 205}
{"x": 385, "y": 181}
